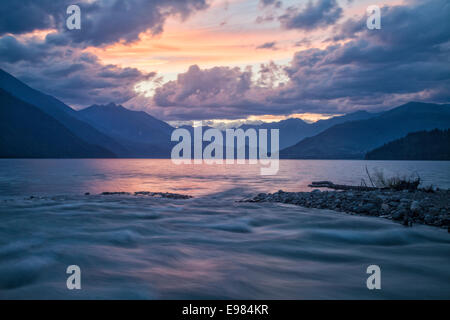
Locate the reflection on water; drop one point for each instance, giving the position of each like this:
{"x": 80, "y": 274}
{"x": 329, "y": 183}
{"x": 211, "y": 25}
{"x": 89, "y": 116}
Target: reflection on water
{"x": 209, "y": 246}
{"x": 25, "y": 177}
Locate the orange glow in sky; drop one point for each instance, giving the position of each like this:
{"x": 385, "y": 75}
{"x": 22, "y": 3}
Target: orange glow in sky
{"x": 225, "y": 34}
{"x": 177, "y": 49}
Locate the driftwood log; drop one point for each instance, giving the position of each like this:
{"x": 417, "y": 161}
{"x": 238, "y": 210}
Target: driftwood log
{"x": 331, "y": 185}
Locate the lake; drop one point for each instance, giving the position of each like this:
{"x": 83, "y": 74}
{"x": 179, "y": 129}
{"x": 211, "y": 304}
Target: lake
{"x": 210, "y": 246}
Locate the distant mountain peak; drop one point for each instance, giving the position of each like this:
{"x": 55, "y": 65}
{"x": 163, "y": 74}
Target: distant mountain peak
{"x": 419, "y": 104}
{"x": 293, "y": 120}
{"x": 419, "y": 107}
{"x": 112, "y": 108}
{"x": 58, "y": 110}
{"x": 140, "y": 132}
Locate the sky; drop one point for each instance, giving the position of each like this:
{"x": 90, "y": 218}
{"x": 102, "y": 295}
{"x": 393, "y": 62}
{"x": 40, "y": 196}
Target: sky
{"x": 228, "y": 61}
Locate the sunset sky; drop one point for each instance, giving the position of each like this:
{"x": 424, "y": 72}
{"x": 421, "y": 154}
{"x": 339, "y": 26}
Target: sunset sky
{"x": 231, "y": 60}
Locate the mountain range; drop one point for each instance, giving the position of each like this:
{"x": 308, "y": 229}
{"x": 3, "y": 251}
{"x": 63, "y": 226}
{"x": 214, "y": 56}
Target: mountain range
{"x": 37, "y": 125}
{"x": 58, "y": 110}
{"x": 353, "y": 139}
{"x": 293, "y": 130}
{"x": 117, "y": 131}
{"x": 141, "y": 134}
{"x": 27, "y": 132}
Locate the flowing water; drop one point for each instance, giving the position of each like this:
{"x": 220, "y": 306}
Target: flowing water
{"x": 209, "y": 246}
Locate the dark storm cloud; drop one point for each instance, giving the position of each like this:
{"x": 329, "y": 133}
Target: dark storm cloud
{"x": 77, "y": 78}
{"x": 102, "y": 22}
{"x": 12, "y": 50}
{"x": 28, "y": 15}
{"x": 408, "y": 55}
{"x": 316, "y": 14}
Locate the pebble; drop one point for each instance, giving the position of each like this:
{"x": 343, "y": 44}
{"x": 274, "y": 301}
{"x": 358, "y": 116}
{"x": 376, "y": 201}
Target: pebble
{"x": 405, "y": 207}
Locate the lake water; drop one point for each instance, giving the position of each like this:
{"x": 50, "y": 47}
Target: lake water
{"x": 210, "y": 246}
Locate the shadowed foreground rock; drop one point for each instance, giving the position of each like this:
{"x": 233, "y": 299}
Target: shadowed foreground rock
{"x": 402, "y": 206}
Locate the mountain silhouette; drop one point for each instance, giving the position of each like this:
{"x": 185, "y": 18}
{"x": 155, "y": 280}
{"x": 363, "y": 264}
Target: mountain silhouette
{"x": 61, "y": 112}
{"x": 27, "y": 132}
{"x": 113, "y": 130}
{"x": 141, "y": 134}
{"x": 293, "y": 130}
{"x": 352, "y": 140}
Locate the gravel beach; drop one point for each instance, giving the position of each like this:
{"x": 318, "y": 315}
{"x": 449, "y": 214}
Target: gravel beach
{"x": 431, "y": 208}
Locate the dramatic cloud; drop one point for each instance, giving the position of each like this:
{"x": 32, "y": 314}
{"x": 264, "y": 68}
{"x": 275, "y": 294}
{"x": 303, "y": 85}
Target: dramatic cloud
{"x": 406, "y": 60}
{"x": 219, "y": 92}
{"x": 75, "y": 77}
{"x": 316, "y": 14}
{"x": 213, "y": 87}
{"x": 28, "y": 15}
{"x": 58, "y": 64}
{"x": 103, "y": 22}
{"x": 12, "y": 50}
{"x": 408, "y": 55}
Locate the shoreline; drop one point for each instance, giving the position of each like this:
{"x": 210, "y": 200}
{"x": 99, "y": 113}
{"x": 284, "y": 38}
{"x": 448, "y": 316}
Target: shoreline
{"x": 406, "y": 207}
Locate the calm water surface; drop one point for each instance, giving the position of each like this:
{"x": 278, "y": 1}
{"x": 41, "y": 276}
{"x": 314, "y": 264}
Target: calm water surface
{"x": 210, "y": 246}
{"x": 41, "y": 177}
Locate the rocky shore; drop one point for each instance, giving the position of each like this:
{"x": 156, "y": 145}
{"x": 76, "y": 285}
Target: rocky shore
{"x": 407, "y": 207}
{"x": 149, "y": 194}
